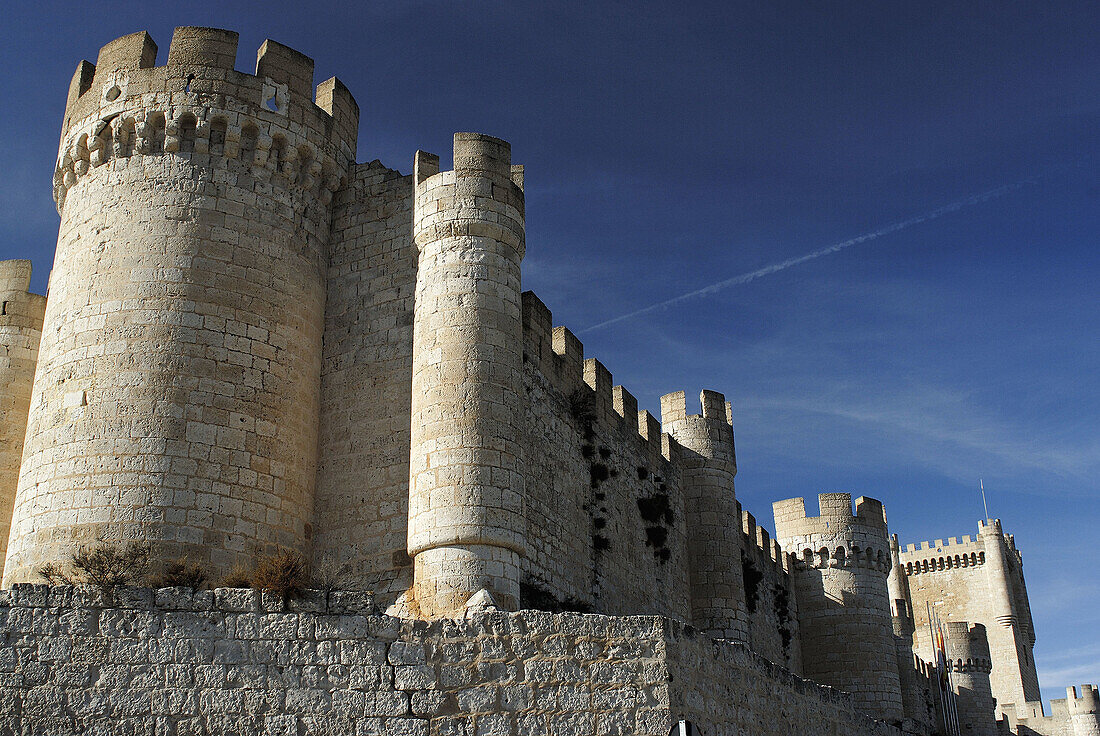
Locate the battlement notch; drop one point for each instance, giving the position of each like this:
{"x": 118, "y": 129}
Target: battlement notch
{"x": 834, "y": 517}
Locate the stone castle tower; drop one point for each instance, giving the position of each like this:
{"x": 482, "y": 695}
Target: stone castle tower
{"x": 970, "y": 663}
{"x": 253, "y": 342}
{"x": 840, "y": 575}
{"x": 948, "y": 575}
{"x": 20, "y": 333}
{"x": 177, "y": 390}
{"x": 714, "y": 548}
{"x": 467, "y": 520}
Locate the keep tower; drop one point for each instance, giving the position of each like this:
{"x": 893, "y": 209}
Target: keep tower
{"x": 466, "y": 485}
{"x": 714, "y": 542}
{"x": 842, "y": 564}
{"x": 177, "y": 393}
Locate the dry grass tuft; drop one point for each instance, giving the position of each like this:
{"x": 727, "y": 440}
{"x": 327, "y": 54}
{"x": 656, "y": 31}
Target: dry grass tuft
{"x": 108, "y": 565}
{"x": 179, "y": 573}
{"x": 284, "y": 572}
{"x": 238, "y": 577}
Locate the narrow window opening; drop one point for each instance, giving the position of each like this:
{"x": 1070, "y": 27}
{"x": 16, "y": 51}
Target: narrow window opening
{"x": 187, "y": 134}
{"x": 278, "y": 155}
{"x": 248, "y": 144}
{"x": 217, "y": 137}
{"x": 190, "y": 78}
{"x": 157, "y": 124}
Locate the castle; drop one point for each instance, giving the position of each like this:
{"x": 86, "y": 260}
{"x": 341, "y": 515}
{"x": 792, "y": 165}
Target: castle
{"x": 252, "y": 342}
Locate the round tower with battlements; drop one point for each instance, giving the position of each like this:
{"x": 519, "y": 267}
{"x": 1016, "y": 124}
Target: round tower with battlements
{"x": 176, "y": 399}
{"x": 970, "y": 664}
{"x": 466, "y": 487}
{"x": 843, "y": 603}
{"x": 20, "y": 332}
{"x": 710, "y": 507}
{"x": 1084, "y": 710}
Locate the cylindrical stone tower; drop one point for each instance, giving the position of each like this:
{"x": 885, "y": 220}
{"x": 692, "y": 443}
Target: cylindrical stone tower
{"x": 843, "y": 604}
{"x": 176, "y": 399}
{"x": 970, "y": 663}
{"x": 20, "y": 332}
{"x": 1084, "y": 710}
{"x": 711, "y": 513}
{"x": 466, "y": 497}
{"x": 1013, "y": 678}
{"x": 914, "y": 689}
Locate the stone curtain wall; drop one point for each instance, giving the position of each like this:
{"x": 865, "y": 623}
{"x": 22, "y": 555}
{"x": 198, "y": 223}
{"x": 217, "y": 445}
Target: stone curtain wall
{"x": 362, "y": 503}
{"x": 770, "y": 597}
{"x": 605, "y": 521}
{"x": 727, "y": 690}
{"x": 237, "y": 662}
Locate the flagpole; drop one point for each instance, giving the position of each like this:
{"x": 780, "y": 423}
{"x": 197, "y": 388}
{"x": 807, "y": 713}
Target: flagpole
{"x": 936, "y": 660}
{"x": 981, "y": 485}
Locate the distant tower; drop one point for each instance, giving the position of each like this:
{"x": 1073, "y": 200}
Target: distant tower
{"x": 1010, "y": 632}
{"x": 714, "y": 541}
{"x": 466, "y": 487}
{"x": 20, "y": 333}
{"x": 914, "y": 687}
{"x": 944, "y": 574}
{"x": 968, "y": 651}
{"x": 840, "y": 579}
{"x": 1084, "y": 710}
{"x": 178, "y": 377}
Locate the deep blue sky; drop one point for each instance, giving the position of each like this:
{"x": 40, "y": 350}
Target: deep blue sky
{"x": 669, "y": 151}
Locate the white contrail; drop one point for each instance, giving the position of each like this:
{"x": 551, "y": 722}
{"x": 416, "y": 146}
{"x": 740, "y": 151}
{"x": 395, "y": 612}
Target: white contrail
{"x": 783, "y": 265}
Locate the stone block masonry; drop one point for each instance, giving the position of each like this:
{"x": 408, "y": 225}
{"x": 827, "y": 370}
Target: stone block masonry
{"x": 179, "y": 376}
{"x": 20, "y": 333}
{"x": 232, "y": 661}
{"x": 980, "y": 580}
{"x": 842, "y": 563}
{"x": 253, "y": 342}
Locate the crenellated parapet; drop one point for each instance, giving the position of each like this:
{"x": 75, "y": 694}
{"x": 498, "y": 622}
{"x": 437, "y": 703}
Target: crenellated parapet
{"x": 933, "y": 556}
{"x": 1077, "y": 714}
{"x": 968, "y": 648}
{"x": 758, "y": 541}
{"x": 482, "y": 197}
{"x": 836, "y": 538}
{"x": 841, "y": 570}
{"x": 198, "y": 106}
{"x": 558, "y": 355}
{"x": 714, "y": 543}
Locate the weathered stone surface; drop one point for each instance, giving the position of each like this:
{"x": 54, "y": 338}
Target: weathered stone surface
{"x": 206, "y": 668}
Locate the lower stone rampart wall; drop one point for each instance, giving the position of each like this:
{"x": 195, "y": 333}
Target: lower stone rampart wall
{"x": 1060, "y": 722}
{"x": 239, "y": 662}
{"x": 727, "y": 690}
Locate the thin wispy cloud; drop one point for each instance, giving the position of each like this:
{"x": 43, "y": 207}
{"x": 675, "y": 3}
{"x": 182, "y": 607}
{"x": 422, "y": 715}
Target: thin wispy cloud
{"x": 945, "y": 431}
{"x": 745, "y": 278}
